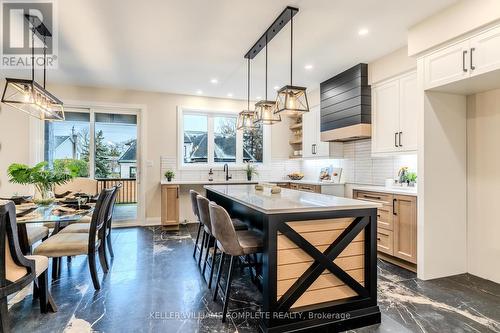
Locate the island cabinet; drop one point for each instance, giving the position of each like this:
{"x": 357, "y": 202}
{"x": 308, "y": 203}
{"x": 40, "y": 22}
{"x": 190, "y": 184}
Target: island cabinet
{"x": 396, "y": 226}
{"x": 170, "y": 206}
{"x": 319, "y": 257}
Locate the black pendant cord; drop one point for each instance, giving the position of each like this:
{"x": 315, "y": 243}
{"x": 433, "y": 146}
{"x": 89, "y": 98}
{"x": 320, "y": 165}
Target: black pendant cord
{"x": 266, "y": 70}
{"x": 33, "y": 55}
{"x": 291, "y": 50}
{"x": 44, "y": 60}
{"x": 248, "y": 85}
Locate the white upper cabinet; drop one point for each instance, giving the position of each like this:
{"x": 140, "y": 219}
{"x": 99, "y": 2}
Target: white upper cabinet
{"x": 408, "y": 112}
{"x": 448, "y": 65}
{"x": 385, "y": 117}
{"x": 394, "y": 115}
{"x": 470, "y": 57}
{"x": 485, "y": 52}
{"x": 312, "y": 146}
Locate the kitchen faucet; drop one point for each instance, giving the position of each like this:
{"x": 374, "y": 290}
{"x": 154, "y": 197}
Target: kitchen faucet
{"x": 226, "y": 170}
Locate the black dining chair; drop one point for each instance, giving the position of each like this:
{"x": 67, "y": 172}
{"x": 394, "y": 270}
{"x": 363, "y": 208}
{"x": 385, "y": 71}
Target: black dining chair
{"x": 18, "y": 271}
{"x": 73, "y": 244}
{"x": 84, "y": 227}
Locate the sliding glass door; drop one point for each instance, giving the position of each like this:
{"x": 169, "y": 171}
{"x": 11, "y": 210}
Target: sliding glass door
{"x": 100, "y": 144}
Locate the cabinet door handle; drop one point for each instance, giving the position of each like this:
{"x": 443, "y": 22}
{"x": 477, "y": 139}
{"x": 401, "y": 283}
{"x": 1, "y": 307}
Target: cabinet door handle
{"x": 394, "y": 206}
{"x": 400, "y": 135}
{"x": 472, "y": 67}
{"x": 396, "y": 139}
{"x": 372, "y": 197}
{"x": 177, "y": 189}
{"x": 464, "y": 53}
{"x": 314, "y": 149}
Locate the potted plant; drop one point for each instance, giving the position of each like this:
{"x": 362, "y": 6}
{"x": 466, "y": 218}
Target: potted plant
{"x": 39, "y": 176}
{"x": 250, "y": 170}
{"x": 411, "y": 178}
{"x": 169, "y": 174}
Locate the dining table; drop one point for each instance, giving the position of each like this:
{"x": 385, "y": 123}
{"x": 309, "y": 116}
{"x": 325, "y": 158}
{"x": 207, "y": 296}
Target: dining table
{"x": 57, "y": 213}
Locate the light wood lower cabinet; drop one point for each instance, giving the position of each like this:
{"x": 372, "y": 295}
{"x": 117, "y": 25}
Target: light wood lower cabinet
{"x": 170, "y": 205}
{"x": 405, "y": 228}
{"x": 396, "y": 224}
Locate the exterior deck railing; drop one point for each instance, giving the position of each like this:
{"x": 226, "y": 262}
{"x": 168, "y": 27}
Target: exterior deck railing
{"x": 128, "y": 192}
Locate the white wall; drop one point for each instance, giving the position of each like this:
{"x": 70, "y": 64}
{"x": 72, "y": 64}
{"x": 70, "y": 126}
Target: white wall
{"x": 456, "y": 20}
{"x": 483, "y": 181}
{"x": 160, "y": 131}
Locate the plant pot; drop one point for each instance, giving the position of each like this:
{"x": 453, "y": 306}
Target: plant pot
{"x": 249, "y": 178}
{"x": 169, "y": 179}
{"x": 43, "y": 197}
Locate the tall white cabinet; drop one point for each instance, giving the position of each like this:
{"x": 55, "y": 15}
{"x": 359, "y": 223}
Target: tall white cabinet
{"x": 394, "y": 115}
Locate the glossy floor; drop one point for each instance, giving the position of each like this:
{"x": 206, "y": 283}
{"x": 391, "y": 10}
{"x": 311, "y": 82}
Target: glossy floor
{"x": 155, "y": 286}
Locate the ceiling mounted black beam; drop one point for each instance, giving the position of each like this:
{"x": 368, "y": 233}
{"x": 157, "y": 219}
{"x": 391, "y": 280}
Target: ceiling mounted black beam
{"x": 278, "y": 24}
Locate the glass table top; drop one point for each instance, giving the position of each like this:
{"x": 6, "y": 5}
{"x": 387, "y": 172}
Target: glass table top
{"x": 52, "y": 213}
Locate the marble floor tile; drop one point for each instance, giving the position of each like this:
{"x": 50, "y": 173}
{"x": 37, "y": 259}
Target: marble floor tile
{"x": 155, "y": 285}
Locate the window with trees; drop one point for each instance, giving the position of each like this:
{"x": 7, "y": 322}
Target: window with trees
{"x": 93, "y": 144}
{"x": 211, "y": 138}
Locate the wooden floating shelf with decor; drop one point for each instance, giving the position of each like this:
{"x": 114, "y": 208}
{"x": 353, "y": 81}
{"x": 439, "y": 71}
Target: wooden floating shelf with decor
{"x": 293, "y": 157}
{"x": 295, "y": 142}
{"x": 296, "y": 126}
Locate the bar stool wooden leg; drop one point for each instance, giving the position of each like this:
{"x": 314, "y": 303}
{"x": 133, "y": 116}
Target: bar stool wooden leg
{"x": 228, "y": 289}
{"x": 201, "y": 248}
{"x": 212, "y": 269}
{"x": 210, "y": 241}
{"x": 197, "y": 239}
{"x": 219, "y": 272}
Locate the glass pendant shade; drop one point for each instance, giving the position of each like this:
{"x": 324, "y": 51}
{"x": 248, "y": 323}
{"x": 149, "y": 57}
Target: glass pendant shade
{"x": 266, "y": 113}
{"x": 31, "y": 98}
{"x": 292, "y": 100}
{"x": 246, "y": 120}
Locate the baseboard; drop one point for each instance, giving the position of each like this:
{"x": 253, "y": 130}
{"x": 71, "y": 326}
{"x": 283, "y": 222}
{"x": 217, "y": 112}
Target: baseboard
{"x": 398, "y": 262}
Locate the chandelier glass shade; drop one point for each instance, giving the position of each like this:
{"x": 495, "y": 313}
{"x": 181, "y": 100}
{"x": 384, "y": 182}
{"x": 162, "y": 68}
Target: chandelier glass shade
{"x": 30, "y": 97}
{"x": 292, "y": 100}
{"x": 246, "y": 118}
{"x": 266, "y": 113}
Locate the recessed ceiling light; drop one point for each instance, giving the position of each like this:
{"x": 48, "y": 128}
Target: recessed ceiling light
{"x": 229, "y": 95}
{"x": 308, "y": 66}
{"x": 199, "y": 92}
{"x": 214, "y": 81}
{"x": 363, "y": 32}
{"x": 276, "y": 87}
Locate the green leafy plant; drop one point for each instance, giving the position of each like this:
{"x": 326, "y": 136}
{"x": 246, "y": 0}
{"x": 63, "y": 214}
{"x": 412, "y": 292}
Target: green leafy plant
{"x": 76, "y": 168}
{"x": 411, "y": 177}
{"x": 169, "y": 174}
{"x": 251, "y": 170}
{"x": 44, "y": 180}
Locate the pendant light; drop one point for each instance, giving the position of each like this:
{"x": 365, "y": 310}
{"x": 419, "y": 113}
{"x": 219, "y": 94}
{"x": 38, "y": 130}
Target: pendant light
{"x": 265, "y": 109}
{"x": 27, "y": 95}
{"x": 292, "y": 99}
{"x": 246, "y": 118}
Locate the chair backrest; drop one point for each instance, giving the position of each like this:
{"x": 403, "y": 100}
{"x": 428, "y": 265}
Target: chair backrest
{"x": 111, "y": 205}
{"x": 98, "y": 219}
{"x": 79, "y": 184}
{"x": 194, "y": 203}
{"x": 204, "y": 212}
{"x": 16, "y": 271}
{"x": 223, "y": 230}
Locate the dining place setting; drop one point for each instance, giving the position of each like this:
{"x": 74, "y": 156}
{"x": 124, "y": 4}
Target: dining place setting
{"x": 66, "y": 217}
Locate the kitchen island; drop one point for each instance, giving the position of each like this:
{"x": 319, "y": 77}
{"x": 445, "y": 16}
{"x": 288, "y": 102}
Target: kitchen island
{"x": 319, "y": 264}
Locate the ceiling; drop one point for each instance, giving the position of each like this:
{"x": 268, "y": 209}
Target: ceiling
{"x": 178, "y": 46}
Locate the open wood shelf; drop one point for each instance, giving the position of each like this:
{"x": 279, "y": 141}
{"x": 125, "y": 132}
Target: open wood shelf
{"x": 296, "y": 126}
{"x": 295, "y": 142}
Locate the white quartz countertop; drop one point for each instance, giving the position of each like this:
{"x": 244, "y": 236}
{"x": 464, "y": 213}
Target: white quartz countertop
{"x": 382, "y": 189}
{"x": 288, "y": 201}
{"x": 242, "y": 181}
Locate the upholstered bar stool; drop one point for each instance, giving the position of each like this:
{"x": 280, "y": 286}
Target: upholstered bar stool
{"x": 232, "y": 243}
{"x": 207, "y": 239}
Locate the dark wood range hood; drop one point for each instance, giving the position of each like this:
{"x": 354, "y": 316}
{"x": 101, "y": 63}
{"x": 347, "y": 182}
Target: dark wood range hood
{"x": 346, "y": 106}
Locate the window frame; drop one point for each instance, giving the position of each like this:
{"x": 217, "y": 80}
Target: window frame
{"x": 211, "y": 164}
